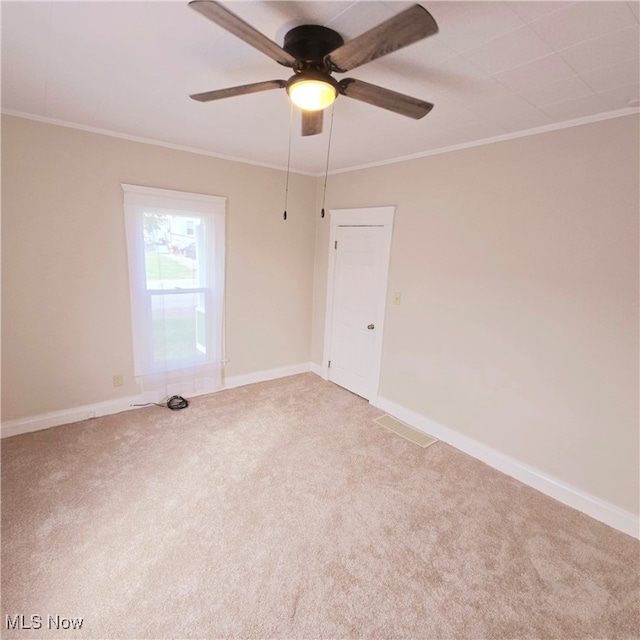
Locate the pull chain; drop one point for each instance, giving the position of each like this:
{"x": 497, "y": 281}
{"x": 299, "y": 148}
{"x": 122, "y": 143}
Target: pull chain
{"x": 286, "y": 188}
{"x": 326, "y": 169}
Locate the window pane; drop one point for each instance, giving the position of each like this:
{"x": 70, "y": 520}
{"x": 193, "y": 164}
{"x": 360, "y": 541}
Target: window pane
{"x": 171, "y": 249}
{"x": 179, "y": 329}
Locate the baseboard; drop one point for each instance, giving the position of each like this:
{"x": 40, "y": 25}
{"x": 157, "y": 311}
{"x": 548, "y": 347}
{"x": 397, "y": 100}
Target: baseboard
{"x": 262, "y": 376}
{"x": 319, "y": 370}
{"x": 108, "y": 407}
{"x": 592, "y": 506}
{"x": 66, "y": 416}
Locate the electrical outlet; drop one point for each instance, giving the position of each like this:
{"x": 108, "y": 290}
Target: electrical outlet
{"x": 118, "y": 380}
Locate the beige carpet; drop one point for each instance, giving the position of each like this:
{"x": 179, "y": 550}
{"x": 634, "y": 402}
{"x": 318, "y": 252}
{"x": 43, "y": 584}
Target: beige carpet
{"x": 281, "y": 510}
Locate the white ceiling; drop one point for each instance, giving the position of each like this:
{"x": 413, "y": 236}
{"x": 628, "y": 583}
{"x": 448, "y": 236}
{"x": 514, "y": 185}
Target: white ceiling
{"x": 494, "y": 69}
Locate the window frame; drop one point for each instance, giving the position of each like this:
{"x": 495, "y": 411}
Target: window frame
{"x": 138, "y": 201}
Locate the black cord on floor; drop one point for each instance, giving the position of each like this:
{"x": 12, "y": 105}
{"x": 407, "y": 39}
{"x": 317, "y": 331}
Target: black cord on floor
{"x": 174, "y": 403}
{"x": 177, "y": 402}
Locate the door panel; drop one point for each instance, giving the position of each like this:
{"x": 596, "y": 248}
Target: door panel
{"x": 359, "y": 277}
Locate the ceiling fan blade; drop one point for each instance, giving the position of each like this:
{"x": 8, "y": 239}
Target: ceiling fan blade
{"x": 311, "y": 123}
{"x": 385, "y": 98}
{"x": 238, "y": 27}
{"x": 413, "y": 24}
{"x": 241, "y": 90}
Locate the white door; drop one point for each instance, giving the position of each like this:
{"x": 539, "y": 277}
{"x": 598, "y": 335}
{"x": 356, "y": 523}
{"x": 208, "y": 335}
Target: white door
{"x": 359, "y": 291}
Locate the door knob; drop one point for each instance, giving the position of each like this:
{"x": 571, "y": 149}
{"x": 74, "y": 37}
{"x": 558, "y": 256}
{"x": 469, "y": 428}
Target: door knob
{"x": 371, "y": 327}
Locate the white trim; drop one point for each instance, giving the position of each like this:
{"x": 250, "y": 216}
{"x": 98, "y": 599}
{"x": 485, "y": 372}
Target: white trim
{"x": 597, "y": 508}
{"x": 262, "y": 376}
{"x": 568, "y": 124}
{"x": 67, "y": 416}
{"x": 171, "y": 199}
{"x": 151, "y": 141}
{"x": 365, "y": 217}
{"x": 362, "y": 217}
{"x": 319, "y": 370}
{"x": 108, "y": 407}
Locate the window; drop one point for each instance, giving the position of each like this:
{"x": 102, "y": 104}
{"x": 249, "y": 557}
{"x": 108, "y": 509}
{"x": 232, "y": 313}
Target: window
{"x": 175, "y": 244}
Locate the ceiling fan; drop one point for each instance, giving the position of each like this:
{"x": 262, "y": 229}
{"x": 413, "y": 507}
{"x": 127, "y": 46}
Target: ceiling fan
{"x": 314, "y": 52}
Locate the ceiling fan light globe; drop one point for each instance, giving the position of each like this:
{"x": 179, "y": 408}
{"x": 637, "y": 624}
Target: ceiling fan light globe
{"x": 312, "y": 95}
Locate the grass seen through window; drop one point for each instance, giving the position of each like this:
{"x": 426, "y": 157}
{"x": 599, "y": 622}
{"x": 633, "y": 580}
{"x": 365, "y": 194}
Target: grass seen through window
{"x": 160, "y": 266}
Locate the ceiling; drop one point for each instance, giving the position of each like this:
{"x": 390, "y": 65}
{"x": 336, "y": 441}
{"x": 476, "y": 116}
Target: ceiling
{"x": 494, "y": 69}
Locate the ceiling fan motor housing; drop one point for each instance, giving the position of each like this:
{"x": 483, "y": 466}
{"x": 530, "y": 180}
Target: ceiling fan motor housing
{"x": 310, "y": 43}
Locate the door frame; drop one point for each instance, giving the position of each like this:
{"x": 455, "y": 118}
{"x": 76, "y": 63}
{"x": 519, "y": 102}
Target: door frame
{"x": 361, "y": 217}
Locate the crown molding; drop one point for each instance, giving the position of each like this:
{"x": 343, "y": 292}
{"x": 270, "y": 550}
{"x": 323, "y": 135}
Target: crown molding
{"x": 150, "y": 141}
{"x": 609, "y": 115}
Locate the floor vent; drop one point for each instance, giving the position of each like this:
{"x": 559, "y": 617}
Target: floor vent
{"x": 404, "y": 430}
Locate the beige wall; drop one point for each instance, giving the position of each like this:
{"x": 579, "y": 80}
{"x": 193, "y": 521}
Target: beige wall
{"x": 65, "y": 313}
{"x": 518, "y": 268}
{"x": 517, "y": 263}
